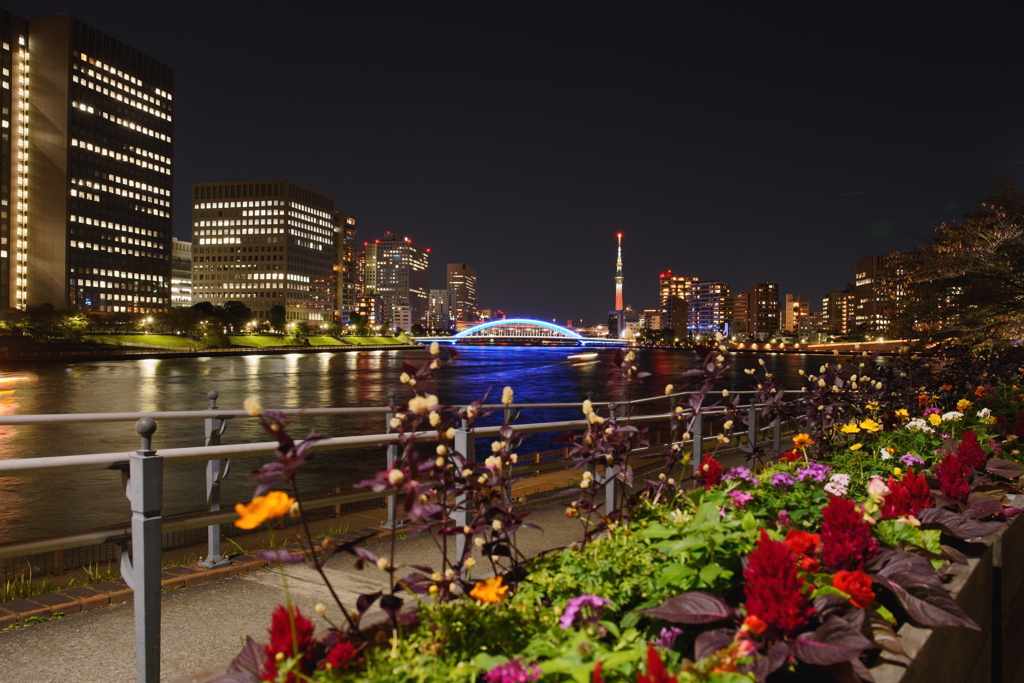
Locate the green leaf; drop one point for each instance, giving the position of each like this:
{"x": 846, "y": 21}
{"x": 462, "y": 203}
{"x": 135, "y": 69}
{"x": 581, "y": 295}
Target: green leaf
{"x": 710, "y": 572}
{"x": 748, "y": 522}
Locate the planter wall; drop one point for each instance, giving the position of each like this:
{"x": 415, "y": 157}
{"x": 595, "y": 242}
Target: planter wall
{"x": 1008, "y": 574}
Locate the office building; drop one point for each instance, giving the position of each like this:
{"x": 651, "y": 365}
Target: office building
{"x": 264, "y": 243}
{"x": 837, "y": 311}
{"x": 345, "y": 267}
{"x": 652, "y": 319}
{"x": 88, "y": 146}
{"x": 401, "y": 319}
{"x": 181, "y": 273}
{"x": 674, "y": 295}
{"x": 764, "y": 319}
{"x": 370, "y": 308}
{"x": 442, "y": 313}
{"x": 795, "y": 310}
{"x": 710, "y": 309}
{"x": 871, "y": 302}
{"x": 396, "y": 271}
{"x": 461, "y": 279}
{"x": 741, "y": 313}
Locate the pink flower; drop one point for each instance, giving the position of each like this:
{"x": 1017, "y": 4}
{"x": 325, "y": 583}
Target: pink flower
{"x": 740, "y": 498}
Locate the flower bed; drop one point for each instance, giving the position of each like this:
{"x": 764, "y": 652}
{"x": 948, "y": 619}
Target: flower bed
{"x": 832, "y": 561}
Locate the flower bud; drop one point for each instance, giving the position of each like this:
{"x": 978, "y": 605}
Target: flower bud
{"x": 669, "y": 389}
{"x": 506, "y": 396}
{"x": 761, "y": 361}
{"x": 588, "y": 407}
{"x": 435, "y": 419}
{"x": 252, "y": 406}
{"x": 496, "y": 525}
{"x": 327, "y": 542}
{"x": 467, "y": 472}
{"x": 383, "y": 564}
{"x": 513, "y": 458}
{"x": 395, "y": 423}
{"x": 435, "y": 348}
{"x": 320, "y": 609}
{"x": 396, "y": 476}
{"x": 585, "y": 484}
{"x": 496, "y": 446}
{"x": 469, "y": 563}
{"x": 441, "y": 450}
{"x": 294, "y": 510}
{"x": 725, "y": 393}
{"x": 433, "y": 589}
{"x": 449, "y": 573}
{"x": 727, "y": 426}
{"x": 404, "y": 378}
{"x": 439, "y": 463}
{"x": 478, "y": 542}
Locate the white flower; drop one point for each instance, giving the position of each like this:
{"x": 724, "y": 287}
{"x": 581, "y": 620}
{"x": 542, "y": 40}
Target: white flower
{"x": 984, "y": 414}
{"x": 884, "y": 454}
{"x": 835, "y": 489}
{"x": 496, "y": 446}
{"x": 422, "y": 404}
{"x": 492, "y": 462}
{"x": 952, "y": 416}
{"x": 506, "y": 396}
{"x": 435, "y": 419}
{"x": 594, "y": 418}
{"x": 588, "y": 407}
{"x": 395, "y": 423}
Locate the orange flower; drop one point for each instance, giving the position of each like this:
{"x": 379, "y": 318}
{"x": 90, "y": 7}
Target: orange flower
{"x": 802, "y": 440}
{"x": 922, "y": 400}
{"x": 261, "y": 508}
{"x": 754, "y": 624}
{"x": 979, "y": 392}
{"x": 947, "y": 387}
{"x": 489, "y": 590}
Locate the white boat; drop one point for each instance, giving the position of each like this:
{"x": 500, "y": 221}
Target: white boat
{"x": 583, "y": 356}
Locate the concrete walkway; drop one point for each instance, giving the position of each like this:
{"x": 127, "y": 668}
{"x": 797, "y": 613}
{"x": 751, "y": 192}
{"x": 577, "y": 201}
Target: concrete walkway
{"x": 204, "y": 627}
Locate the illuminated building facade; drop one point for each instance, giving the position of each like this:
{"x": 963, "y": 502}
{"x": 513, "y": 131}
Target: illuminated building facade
{"x": 674, "y": 294}
{"x": 181, "y": 273}
{"x": 462, "y": 280}
{"x": 795, "y": 310}
{"x": 837, "y": 311}
{"x": 88, "y": 149}
{"x": 741, "y": 313}
{"x": 344, "y": 266}
{"x": 396, "y": 272}
{"x": 871, "y": 301}
{"x": 710, "y": 308}
{"x": 442, "y": 313}
{"x": 618, "y": 277}
{"x": 765, "y": 320}
{"x": 265, "y": 243}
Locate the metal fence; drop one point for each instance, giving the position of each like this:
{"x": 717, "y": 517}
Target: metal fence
{"x": 149, "y": 533}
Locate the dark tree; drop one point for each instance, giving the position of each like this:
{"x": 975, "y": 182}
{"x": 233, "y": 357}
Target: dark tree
{"x": 277, "y": 317}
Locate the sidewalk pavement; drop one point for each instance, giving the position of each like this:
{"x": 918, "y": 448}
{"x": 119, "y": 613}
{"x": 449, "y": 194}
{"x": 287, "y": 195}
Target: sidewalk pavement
{"x": 204, "y": 627}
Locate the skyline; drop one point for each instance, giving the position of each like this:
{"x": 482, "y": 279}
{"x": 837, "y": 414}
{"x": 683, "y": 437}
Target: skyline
{"x": 800, "y": 143}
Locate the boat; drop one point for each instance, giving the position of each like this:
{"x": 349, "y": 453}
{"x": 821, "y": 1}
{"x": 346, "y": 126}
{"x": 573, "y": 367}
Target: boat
{"x": 583, "y": 356}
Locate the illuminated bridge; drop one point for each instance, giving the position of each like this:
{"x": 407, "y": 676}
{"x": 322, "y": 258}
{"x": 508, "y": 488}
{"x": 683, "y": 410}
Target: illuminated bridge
{"x": 522, "y": 332}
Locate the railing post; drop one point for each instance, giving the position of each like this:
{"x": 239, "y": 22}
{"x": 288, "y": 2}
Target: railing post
{"x": 752, "y": 426}
{"x": 777, "y": 436}
{"x": 697, "y": 432}
{"x": 611, "y": 484}
{"x": 216, "y": 470}
{"x": 465, "y": 445}
{"x": 142, "y": 571}
{"x": 392, "y": 456}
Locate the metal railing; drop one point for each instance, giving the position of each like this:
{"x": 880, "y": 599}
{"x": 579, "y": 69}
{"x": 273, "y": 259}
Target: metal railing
{"x": 142, "y": 475}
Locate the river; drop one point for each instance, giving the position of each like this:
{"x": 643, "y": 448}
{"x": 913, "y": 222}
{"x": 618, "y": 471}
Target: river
{"x": 57, "y": 502}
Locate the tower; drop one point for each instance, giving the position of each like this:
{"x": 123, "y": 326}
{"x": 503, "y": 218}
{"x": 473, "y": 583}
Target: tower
{"x": 618, "y": 278}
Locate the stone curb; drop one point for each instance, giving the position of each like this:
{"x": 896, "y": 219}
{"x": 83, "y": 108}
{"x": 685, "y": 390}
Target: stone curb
{"x": 98, "y": 595}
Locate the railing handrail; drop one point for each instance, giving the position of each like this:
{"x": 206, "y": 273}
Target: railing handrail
{"x": 70, "y": 418}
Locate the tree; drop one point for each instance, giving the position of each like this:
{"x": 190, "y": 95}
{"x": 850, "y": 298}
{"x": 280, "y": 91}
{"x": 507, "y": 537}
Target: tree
{"x": 211, "y": 334}
{"x": 969, "y": 281}
{"x": 302, "y": 331}
{"x": 359, "y": 324}
{"x": 277, "y": 317}
{"x": 236, "y": 315}
{"x": 418, "y": 331}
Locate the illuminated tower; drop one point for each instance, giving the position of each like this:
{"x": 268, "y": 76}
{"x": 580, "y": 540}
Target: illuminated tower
{"x": 618, "y": 278}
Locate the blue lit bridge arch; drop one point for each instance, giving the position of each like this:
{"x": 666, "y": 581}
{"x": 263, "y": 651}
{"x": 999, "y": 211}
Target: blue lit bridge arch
{"x": 525, "y": 332}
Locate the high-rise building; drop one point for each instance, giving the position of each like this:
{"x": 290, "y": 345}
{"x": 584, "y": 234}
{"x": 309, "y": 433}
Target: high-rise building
{"x": 344, "y": 266}
{"x": 795, "y": 310}
{"x": 871, "y": 302}
{"x": 441, "y": 315}
{"x": 741, "y": 313}
{"x": 764, "y": 309}
{"x": 652, "y": 319}
{"x": 710, "y": 309}
{"x": 396, "y": 271}
{"x": 181, "y": 273}
{"x": 264, "y": 243}
{"x": 401, "y": 318}
{"x": 88, "y": 145}
{"x": 461, "y": 279}
{"x": 837, "y": 311}
{"x": 670, "y": 288}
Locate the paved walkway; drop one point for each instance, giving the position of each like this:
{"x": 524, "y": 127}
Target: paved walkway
{"x": 203, "y": 627}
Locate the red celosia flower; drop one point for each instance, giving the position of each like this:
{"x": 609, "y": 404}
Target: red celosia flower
{"x": 344, "y": 655}
{"x": 857, "y": 585}
{"x": 970, "y": 451}
{"x": 846, "y": 540}
{"x": 802, "y": 542}
{"x": 281, "y": 640}
{"x": 952, "y": 475}
{"x": 598, "y": 678}
{"x": 709, "y": 473}
{"x": 791, "y": 456}
{"x": 908, "y": 496}
{"x": 656, "y": 672}
{"x": 774, "y": 591}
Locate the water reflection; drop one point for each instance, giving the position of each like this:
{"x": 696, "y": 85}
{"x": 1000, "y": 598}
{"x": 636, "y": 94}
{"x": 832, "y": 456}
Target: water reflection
{"x": 43, "y": 504}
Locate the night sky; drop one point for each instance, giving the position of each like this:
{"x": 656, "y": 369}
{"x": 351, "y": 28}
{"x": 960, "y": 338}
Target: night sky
{"x": 736, "y": 144}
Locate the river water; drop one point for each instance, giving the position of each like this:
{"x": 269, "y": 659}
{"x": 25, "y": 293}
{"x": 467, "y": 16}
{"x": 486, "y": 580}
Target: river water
{"x": 44, "y": 504}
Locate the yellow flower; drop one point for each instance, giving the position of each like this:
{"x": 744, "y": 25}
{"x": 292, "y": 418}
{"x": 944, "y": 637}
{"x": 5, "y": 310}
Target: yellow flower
{"x": 489, "y": 590}
{"x": 261, "y": 508}
{"x": 963, "y": 405}
{"x": 935, "y": 419}
{"x": 851, "y": 428}
{"x": 802, "y": 440}
{"x": 856, "y": 447}
{"x": 870, "y": 425}
{"x": 897, "y": 471}
{"x": 903, "y": 414}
